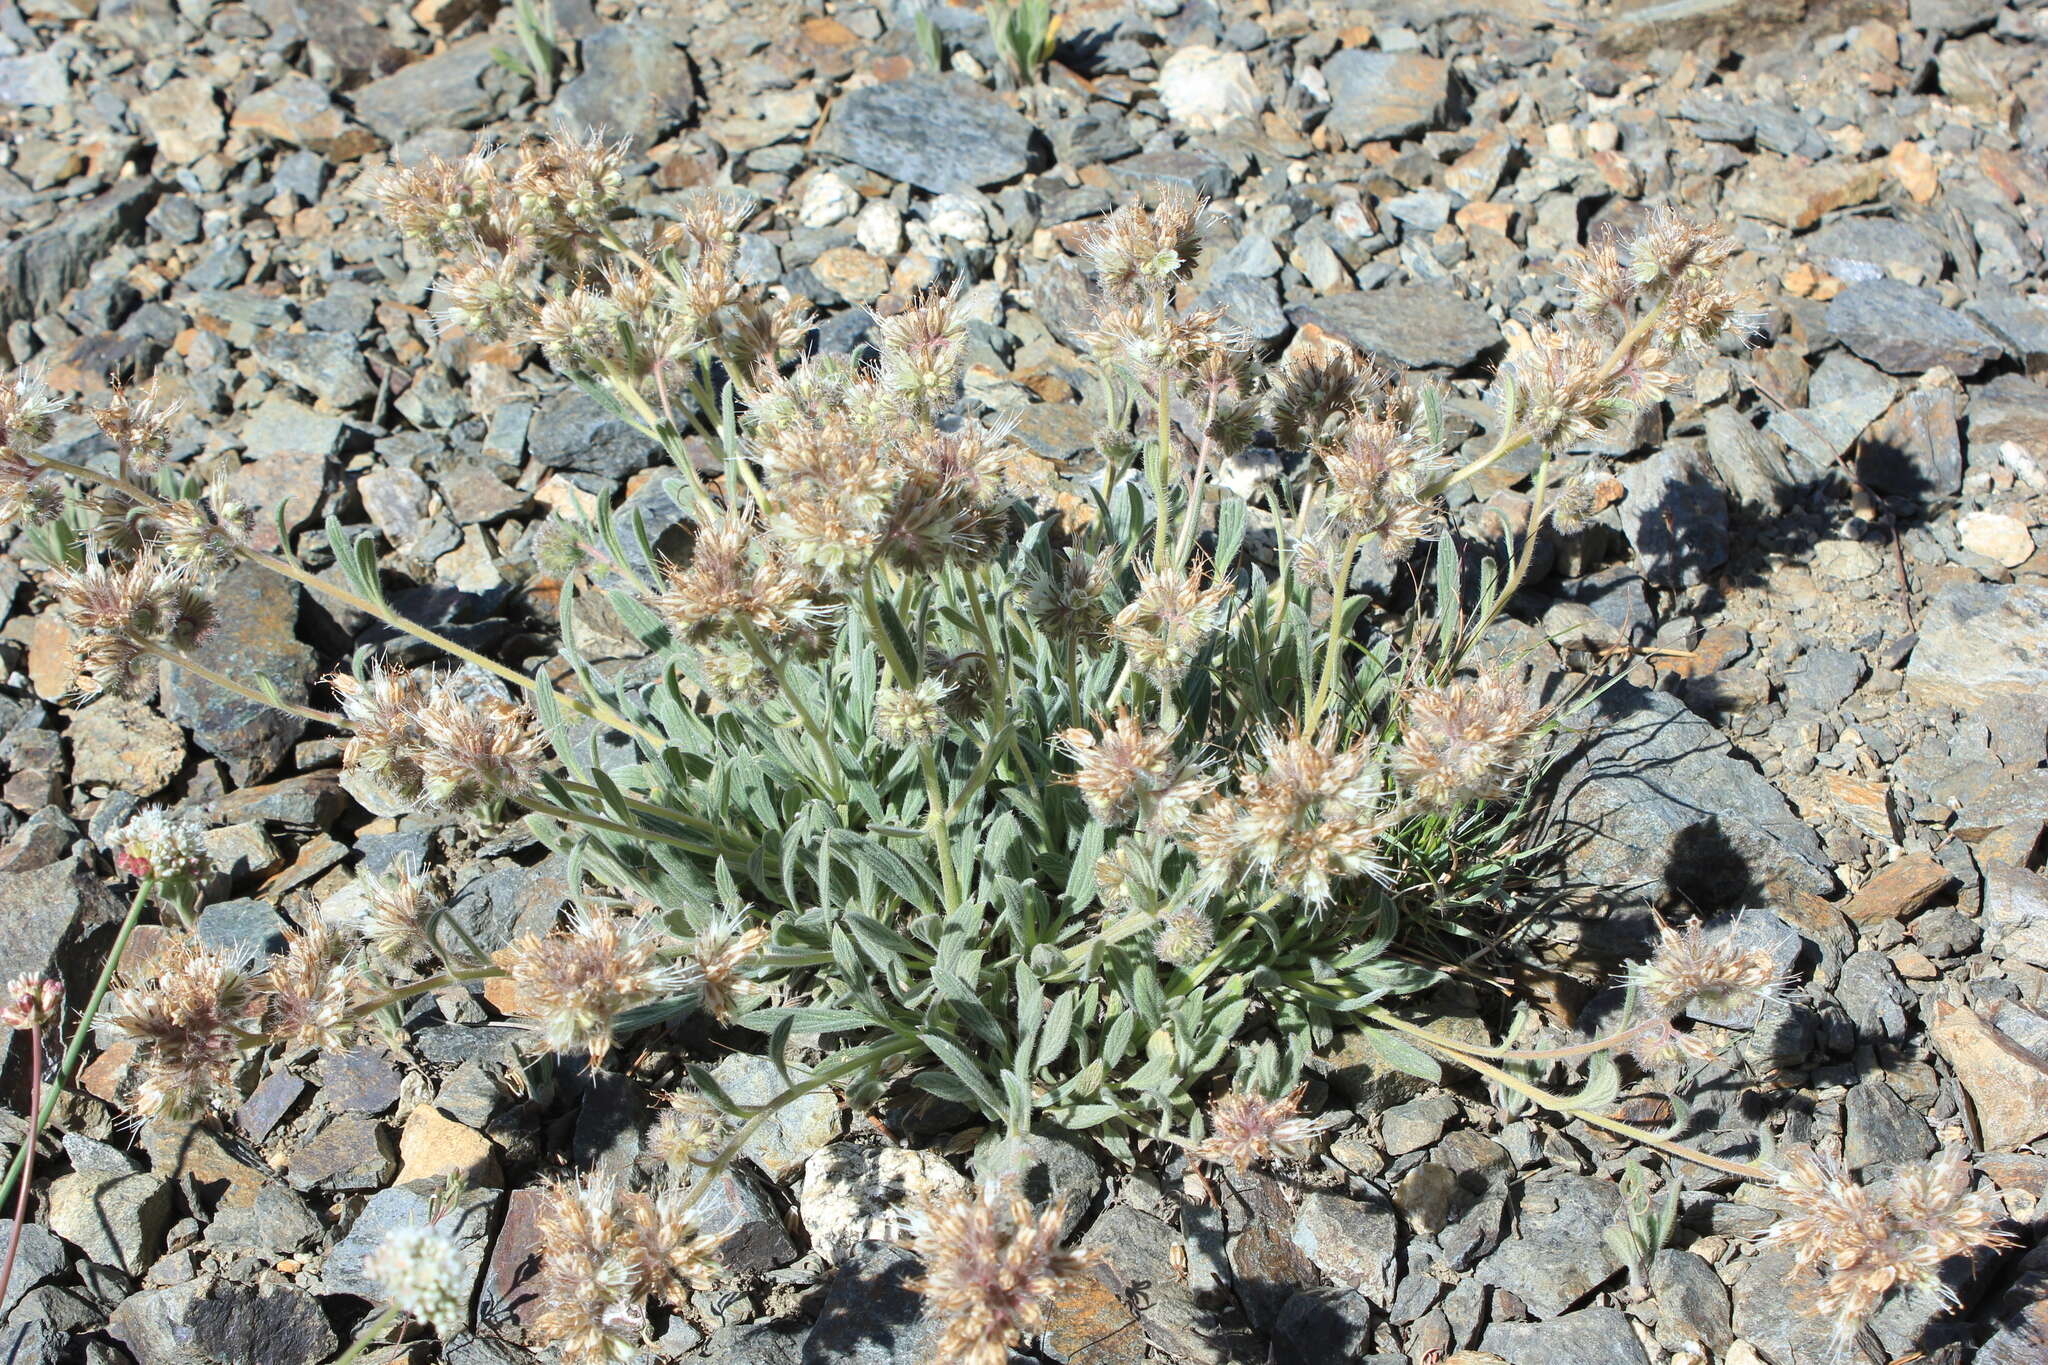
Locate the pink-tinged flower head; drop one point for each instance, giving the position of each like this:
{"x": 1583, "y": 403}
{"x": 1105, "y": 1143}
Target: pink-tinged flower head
{"x": 992, "y": 1264}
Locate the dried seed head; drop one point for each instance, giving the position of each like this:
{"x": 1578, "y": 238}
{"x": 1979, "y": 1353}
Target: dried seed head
{"x": 1576, "y": 504}
{"x": 1066, "y": 600}
{"x": 1659, "y": 1046}
{"x": 30, "y": 1002}
{"x": 1183, "y": 936}
{"x": 1598, "y": 275}
{"x": 1563, "y": 387}
{"x": 1467, "y": 741}
{"x": 920, "y": 351}
{"x": 26, "y": 498}
{"x": 1165, "y": 626}
{"x": 909, "y": 716}
{"x": 1316, "y": 395}
{"x": 448, "y": 205}
{"x": 139, "y": 601}
{"x": 1307, "y": 816}
{"x": 137, "y": 424}
{"x": 205, "y": 541}
{"x": 689, "y": 1132}
{"x": 155, "y": 843}
{"x": 490, "y": 299}
{"x": 382, "y": 708}
{"x": 572, "y": 986}
{"x": 1245, "y": 1129}
{"x": 719, "y": 959}
{"x": 1379, "y": 482}
{"x": 1671, "y": 248}
{"x": 28, "y": 414}
{"x": 1138, "y": 254}
{"x": 1128, "y": 772}
{"x": 309, "y": 985}
{"x": 576, "y": 331}
{"x": 421, "y": 1272}
{"x": 1713, "y": 971}
{"x": 603, "y": 1252}
{"x": 1854, "y": 1246}
{"x": 474, "y": 754}
{"x": 395, "y": 908}
{"x": 729, "y": 586}
{"x": 992, "y": 1265}
{"x": 1125, "y": 879}
{"x": 1699, "y": 312}
{"x": 186, "y": 1012}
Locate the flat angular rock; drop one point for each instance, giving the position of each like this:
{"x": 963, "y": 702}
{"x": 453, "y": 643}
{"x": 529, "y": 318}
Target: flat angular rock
{"x": 2015, "y": 913}
{"x": 444, "y": 91}
{"x": 1982, "y": 638}
{"x": 326, "y": 365}
{"x": 115, "y": 1218}
{"x": 782, "y": 1145}
{"x": 1426, "y": 326}
{"x": 635, "y": 84}
{"x": 1655, "y": 807}
{"x": 38, "y": 269}
{"x": 1675, "y": 517}
{"x": 1591, "y": 1336}
{"x": 277, "y": 1325}
{"x": 874, "y": 1314}
{"x": 1903, "y": 329}
{"x": 853, "y": 1195}
{"x": 572, "y": 430}
{"x": 1780, "y": 190}
{"x": 258, "y": 615}
{"x": 125, "y": 745}
{"x": 1353, "y": 1241}
{"x": 2020, "y": 1321}
{"x": 468, "y": 1222}
{"x": 2007, "y": 1083}
{"x": 183, "y": 118}
{"x": 941, "y": 133}
{"x": 48, "y": 919}
{"x": 1379, "y": 96}
{"x": 299, "y": 112}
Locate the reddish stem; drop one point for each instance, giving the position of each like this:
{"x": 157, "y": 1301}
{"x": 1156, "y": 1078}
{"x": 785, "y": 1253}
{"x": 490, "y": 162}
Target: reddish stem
{"x": 28, "y": 1166}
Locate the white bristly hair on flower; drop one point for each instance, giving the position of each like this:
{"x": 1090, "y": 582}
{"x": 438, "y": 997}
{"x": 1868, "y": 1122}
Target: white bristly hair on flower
{"x": 421, "y": 1272}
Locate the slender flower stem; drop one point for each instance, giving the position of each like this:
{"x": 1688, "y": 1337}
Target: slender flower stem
{"x": 1559, "y": 1104}
{"x": 28, "y": 1147}
{"x": 575, "y": 817}
{"x": 816, "y": 731}
{"x": 372, "y": 1330}
{"x": 1520, "y": 571}
{"x": 846, "y": 1066}
{"x": 681, "y": 817}
{"x": 398, "y": 995}
{"x": 937, "y": 823}
{"x": 1162, "y": 531}
{"x": 16, "y": 1170}
{"x": 1340, "y": 584}
{"x": 221, "y": 680}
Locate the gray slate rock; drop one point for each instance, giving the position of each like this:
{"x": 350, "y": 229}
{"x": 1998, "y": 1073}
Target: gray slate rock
{"x": 1692, "y": 1303}
{"x": 51, "y": 919}
{"x": 1882, "y": 1129}
{"x": 1592, "y": 1336}
{"x": 1559, "y": 1257}
{"x": 736, "y": 1210}
{"x": 1675, "y": 517}
{"x": 1353, "y": 1241}
{"x": 38, "y": 269}
{"x": 1661, "y": 809}
{"x": 279, "y": 1325}
{"x": 468, "y": 1222}
{"x": 1822, "y": 679}
{"x": 941, "y": 133}
{"x": 40, "y": 1257}
{"x": 1426, "y": 326}
{"x": 1980, "y": 638}
{"x": 258, "y": 615}
{"x": 1751, "y": 464}
{"x": 115, "y": 1218}
{"x": 635, "y": 84}
{"x": 572, "y": 430}
{"x": 1378, "y": 96}
{"x": 325, "y": 364}
{"x": 873, "y": 1315}
{"x": 2015, "y": 913}
{"x": 1904, "y": 330}
{"x": 445, "y": 91}
{"x": 1324, "y": 1323}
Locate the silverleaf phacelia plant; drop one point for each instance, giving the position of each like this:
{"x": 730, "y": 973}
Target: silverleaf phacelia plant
{"x": 1068, "y": 791}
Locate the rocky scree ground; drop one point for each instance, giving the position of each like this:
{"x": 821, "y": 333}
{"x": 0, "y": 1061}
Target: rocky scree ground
{"x": 1821, "y": 576}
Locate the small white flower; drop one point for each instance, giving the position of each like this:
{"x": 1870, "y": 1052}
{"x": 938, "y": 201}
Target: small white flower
{"x": 422, "y": 1274}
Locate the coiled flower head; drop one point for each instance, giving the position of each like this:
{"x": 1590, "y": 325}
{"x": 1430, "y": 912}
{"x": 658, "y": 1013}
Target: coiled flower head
{"x": 909, "y": 716}
{"x": 1715, "y": 972}
{"x": 1169, "y": 620}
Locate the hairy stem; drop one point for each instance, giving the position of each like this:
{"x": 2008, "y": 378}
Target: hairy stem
{"x": 223, "y": 681}
{"x": 373, "y": 1329}
{"x": 28, "y": 1147}
{"x": 1340, "y": 584}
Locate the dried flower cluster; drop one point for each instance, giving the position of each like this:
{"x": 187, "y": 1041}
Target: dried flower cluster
{"x": 435, "y": 743}
{"x": 572, "y": 985}
{"x": 605, "y": 1251}
{"x": 1856, "y": 1245}
{"x": 1246, "y": 1129}
{"x": 992, "y": 1262}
